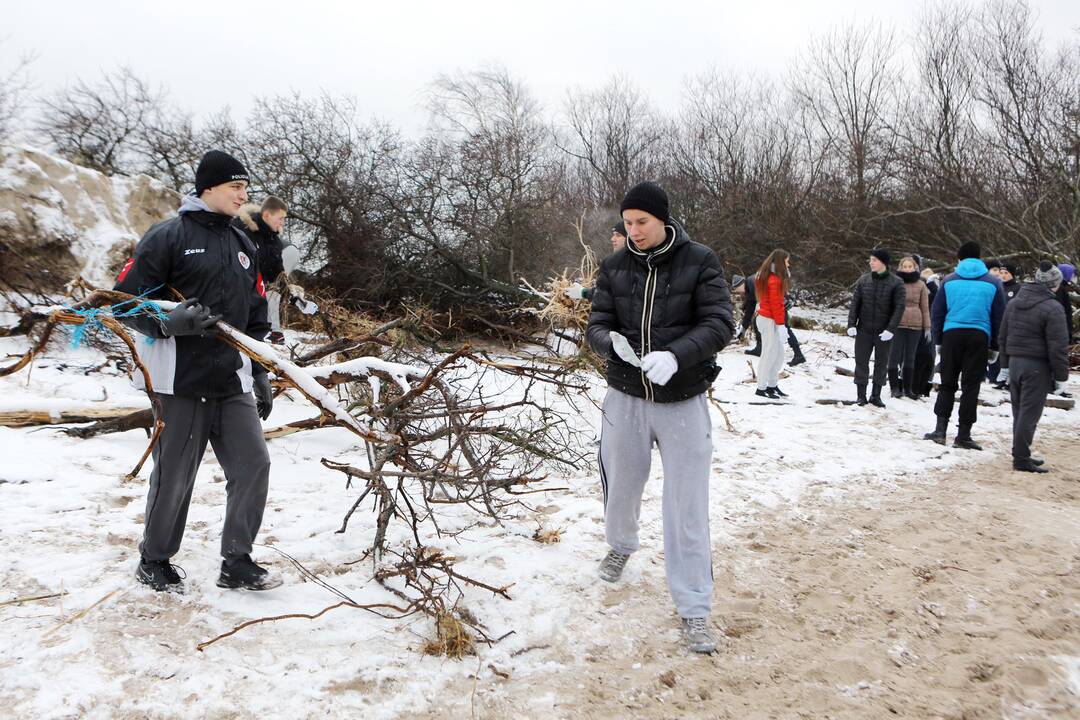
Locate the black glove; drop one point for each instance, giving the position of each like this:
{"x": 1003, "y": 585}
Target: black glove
{"x": 264, "y": 396}
{"x": 189, "y": 318}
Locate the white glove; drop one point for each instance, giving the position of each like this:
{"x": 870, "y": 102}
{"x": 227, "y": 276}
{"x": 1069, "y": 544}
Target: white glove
{"x": 575, "y": 292}
{"x": 308, "y": 308}
{"x": 992, "y": 357}
{"x": 1059, "y": 387}
{"x": 659, "y": 366}
{"x": 852, "y": 332}
{"x": 622, "y": 348}
{"x": 928, "y": 335}
{"x": 781, "y": 334}
{"x": 885, "y": 336}
{"x": 1003, "y": 376}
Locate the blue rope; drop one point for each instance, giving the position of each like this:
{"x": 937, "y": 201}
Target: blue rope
{"x": 92, "y": 324}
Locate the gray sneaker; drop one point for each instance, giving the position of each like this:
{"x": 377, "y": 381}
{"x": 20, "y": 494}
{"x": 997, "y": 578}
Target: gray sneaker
{"x": 612, "y": 565}
{"x": 698, "y": 637}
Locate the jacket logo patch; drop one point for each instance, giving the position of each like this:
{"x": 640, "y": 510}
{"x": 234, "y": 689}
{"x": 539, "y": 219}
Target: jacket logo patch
{"x": 127, "y": 267}
{"x": 244, "y": 261}
{"x": 194, "y": 251}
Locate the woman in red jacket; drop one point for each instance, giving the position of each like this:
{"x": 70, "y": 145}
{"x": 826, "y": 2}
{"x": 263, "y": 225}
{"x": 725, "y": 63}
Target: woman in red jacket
{"x": 772, "y": 285}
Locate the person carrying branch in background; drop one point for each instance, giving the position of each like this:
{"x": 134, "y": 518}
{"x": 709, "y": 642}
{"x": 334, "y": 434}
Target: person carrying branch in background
{"x": 204, "y": 386}
{"x": 263, "y": 224}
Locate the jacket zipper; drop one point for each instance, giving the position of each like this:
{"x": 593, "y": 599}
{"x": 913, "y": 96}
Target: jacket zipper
{"x": 646, "y": 322}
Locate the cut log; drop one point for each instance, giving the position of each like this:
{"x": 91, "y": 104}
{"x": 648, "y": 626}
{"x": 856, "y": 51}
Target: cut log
{"x": 29, "y": 418}
{"x": 836, "y": 401}
{"x": 138, "y": 420}
{"x": 846, "y": 372}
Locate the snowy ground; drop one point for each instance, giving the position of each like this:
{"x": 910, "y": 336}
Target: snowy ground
{"x": 69, "y": 524}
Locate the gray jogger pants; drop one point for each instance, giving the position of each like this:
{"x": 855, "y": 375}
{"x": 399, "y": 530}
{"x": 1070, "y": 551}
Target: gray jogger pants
{"x": 1029, "y": 384}
{"x": 683, "y": 432}
{"x": 232, "y": 427}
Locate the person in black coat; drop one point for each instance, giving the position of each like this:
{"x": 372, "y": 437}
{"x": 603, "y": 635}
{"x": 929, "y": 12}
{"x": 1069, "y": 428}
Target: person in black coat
{"x": 1034, "y": 357}
{"x": 877, "y": 305}
{"x": 203, "y": 387}
{"x": 661, "y": 312}
{"x": 263, "y": 225}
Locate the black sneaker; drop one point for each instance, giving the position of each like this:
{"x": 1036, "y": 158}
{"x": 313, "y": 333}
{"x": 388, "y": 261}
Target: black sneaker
{"x": 776, "y": 391}
{"x": 243, "y": 574}
{"x": 1029, "y": 465}
{"x": 275, "y": 338}
{"x": 767, "y": 393}
{"x": 160, "y": 575}
{"x": 799, "y": 359}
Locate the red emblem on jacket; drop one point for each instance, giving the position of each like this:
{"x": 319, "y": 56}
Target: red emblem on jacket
{"x": 127, "y": 267}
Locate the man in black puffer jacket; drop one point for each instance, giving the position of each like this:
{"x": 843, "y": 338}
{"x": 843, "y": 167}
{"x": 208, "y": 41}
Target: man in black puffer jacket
{"x": 661, "y": 311}
{"x": 1034, "y": 342}
{"x": 876, "y": 308}
{"x": 203, "y": 385}
{"x": 262, "y": 224}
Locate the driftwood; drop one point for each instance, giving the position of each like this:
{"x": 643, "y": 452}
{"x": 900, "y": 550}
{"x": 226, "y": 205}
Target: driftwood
{"x": 29, "y": 418}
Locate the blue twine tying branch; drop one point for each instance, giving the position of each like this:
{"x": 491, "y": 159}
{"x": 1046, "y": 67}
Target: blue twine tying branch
{"x": 92, "y": 324}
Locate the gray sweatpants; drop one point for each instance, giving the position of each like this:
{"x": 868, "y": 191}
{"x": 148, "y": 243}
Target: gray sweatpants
{"x": 683, "y": 433}
{"x": 232, "y": 427}
{"x": 1029, "y": 384}
{"x": 273, "y": 309}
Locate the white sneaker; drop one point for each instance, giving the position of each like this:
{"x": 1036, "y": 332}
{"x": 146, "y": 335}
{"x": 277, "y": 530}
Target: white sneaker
{"x": 612, "y": 565}
{"x": 698, "y": 636}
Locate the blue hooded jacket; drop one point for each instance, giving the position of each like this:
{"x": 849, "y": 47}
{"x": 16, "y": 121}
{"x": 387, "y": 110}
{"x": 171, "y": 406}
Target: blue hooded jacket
{"x": 969, "y": 298}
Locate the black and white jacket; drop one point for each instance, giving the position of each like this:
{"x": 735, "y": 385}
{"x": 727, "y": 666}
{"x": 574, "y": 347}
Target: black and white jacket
{"x": 200, "y": 254}
{"x": 673, "y": 297}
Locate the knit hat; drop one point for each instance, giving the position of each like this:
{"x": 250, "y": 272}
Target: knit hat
{"x": 1048, "y": 275}
{"x": 737, "y": 281}
{"x": 970, "y": 249}
{"x": 881, "y": 254}
{"x": 217, "y": 168}
{"x": 994, "y": 263}
{"x": 618, "y": 227}
{"x": 1013, "y": 268}
{"x": 648, "y": 197}
{"x": 1067, "y": 271}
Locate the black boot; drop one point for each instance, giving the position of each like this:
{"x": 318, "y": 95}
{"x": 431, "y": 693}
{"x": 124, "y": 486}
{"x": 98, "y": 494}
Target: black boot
{"x": 861, "y": 389}
{"x": 909, "y": 390}
{"x": 963, "y": 439}
{"x": 875, "y": 397}
{"x": 756, "y": 350}
{"x": 160, "y": 575}
{"x": 799, "y": 359}
{"x": 243, "y": 574}
{"x": 938, "y": 435}
{"x": 894, "y": 383}
{"x": 1029, "y": 465}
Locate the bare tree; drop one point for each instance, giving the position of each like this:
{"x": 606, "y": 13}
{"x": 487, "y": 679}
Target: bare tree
{"x": 616, "y": 136}
{"x": 14, "y": 85}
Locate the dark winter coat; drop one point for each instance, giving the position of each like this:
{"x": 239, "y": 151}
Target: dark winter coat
{"x": 1034, "y": 327}
{"x": 877, "y": 304}
{"x": 268, "y": 242}
{"x": 1010, "y": 288}
{"x": 1066, "y": 305}
{"x": 673, "y": 297}
{"x": 201, "y": 255}
{"x": 749, "y": 302}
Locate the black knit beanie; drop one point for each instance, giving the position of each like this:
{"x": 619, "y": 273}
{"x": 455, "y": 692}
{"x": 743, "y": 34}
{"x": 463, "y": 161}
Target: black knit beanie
{"x": 882, "y": 255}
{"x": 618, "y": 227}
{"x": 648, "y": 197}
{"x": 217, "y": 168}
{"x": 1013, "y": 269}
{"x": 970, "y": 249}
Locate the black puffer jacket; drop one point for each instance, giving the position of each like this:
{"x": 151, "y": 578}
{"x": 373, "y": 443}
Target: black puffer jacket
{"x": 878, "y": 303}
{"x": 672, "y": 298}
{"x": 202, "y": 255}
{"x": 1034, "y": 327}
{"x": 250, "y": 222}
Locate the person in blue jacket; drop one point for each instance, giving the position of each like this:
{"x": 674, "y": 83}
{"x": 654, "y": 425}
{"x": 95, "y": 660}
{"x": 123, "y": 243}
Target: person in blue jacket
{"x": 964, "y": 321}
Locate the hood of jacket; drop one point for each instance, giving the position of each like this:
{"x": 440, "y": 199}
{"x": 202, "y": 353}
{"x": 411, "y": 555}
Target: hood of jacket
{"x": 251, "y": 216}
{"x": 676, "y": 236}
{"x": 1031, "y": 294}
{"x": 971, "y": 268}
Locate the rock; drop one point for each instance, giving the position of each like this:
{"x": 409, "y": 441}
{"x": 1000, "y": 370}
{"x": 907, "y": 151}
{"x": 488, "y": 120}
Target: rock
{"x": 71, "y": 221}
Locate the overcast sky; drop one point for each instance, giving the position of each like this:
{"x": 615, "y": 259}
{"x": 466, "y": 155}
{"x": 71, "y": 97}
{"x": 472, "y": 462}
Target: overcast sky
{"x": 211, "y": 54}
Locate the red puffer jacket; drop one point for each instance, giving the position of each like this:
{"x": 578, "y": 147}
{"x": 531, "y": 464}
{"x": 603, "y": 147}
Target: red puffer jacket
{"x": 771, "y": 302}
